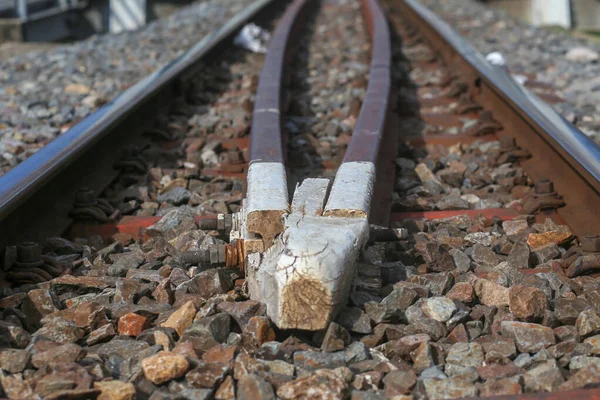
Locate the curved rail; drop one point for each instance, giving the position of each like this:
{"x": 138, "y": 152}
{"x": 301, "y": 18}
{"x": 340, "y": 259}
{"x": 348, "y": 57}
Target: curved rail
{"x": 267, "y": 195}
{"x": 355, "y": 180}
{"x": 561, "y": 150}
{"x": 310, "y": 247}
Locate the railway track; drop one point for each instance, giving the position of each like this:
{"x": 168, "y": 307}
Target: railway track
{"x": 366, "y": 211}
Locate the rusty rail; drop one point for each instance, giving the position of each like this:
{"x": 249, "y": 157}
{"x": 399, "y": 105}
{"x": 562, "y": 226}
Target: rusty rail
{"x": 560, "y": 151}
{"x": 267, "y": 196}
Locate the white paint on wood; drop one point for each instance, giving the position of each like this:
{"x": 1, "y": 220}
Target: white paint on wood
{"x": 309, "y": 196}
{"x": 305, "y": 278}
{"x": 267, "y": 187}
{"x": 352, "y": 190}
{"x": 267, "y": 200}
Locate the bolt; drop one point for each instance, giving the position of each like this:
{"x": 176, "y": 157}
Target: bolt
{"x": 485, "y": 116}
{"x": 84, "y": 197}
{"x": 544, "y": 186}
{"x": 208, "y": 224}
{"x": 507, "y": 143}
{"x": 221, "y": 222}
{"x": 221, "y": 255}
{"x": 29, "y": 252}
{"x": 590, "y": 243}
{"x": 29, "y": 255}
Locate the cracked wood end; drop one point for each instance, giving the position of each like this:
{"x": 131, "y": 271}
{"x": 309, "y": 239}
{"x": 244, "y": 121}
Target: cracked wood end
{"x": 305, "y": 278}
{"x": 267, "y": 200}
{"x": 352, "y": 190}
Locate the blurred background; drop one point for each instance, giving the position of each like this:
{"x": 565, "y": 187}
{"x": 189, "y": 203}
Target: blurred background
{"x": 62, "y": 20}
{"x": 583, "y": 15}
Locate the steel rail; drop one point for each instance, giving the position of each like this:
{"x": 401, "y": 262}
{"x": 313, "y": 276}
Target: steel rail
{"x": 355, "y": 181}
{"x": 560, "y": 151}
{"x": 267, "y": 195}
{"x": 308, "y": 250}
{"x": 28, "y": 178}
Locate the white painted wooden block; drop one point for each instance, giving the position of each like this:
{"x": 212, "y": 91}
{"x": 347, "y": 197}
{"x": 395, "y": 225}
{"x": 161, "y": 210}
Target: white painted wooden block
{"x": 310, "y": 196}
{"x": 352, "y": 190}
{"x": 305, "y": 278}
{"x": 126, "y": 15}
{"x": 267, "y": 199}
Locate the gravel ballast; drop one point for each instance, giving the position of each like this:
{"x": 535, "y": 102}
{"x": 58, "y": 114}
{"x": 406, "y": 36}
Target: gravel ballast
{"x": 568, "y": 64}
{"x": 44, "y": 93}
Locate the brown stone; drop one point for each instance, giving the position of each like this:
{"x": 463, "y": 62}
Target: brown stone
{"x": 87, "y": 315}
{"x": 182, "y": 318}
{"x": 459, "y": 334}
{"x": 61, "y": 330}
{"x": 253, "y": 387}
{"x": 529, "y": 338}
{"x": 241, "y": 311}
{"x": 367, "y": 380}
{"x": 115, "y": 390}
{"x": 12, "y": 301}
{"x": 69, "y": 352}
{"x": 226, "y": 390}
{"x": 499, "y": 348}
{"x": 461, "y": 291}
{"x": 211, "y": 283}
{"x": 220, "y": 354}
{"x": 404, "y": 346}
{"x": 527, "y": 303}
{"x": 258, "y": 331}
{"x": 491, "y": 294}
{"x": 16, "y": 388}
{"x": 422, "y": 357}
{"x": 207, "y": 376}
{"x": 132, "y": 324}
{"x": 322, "y": 384}
{"x": 53, "y": 384}
{"x": 39, "y": 303}
{"x": 336, "y": 338}
{"x": 500, "y": 387}
{"x": 545, "y": 377}
{"x": 589, "y": 375}
{"x": 588, "y": 323}
{"x": 101, "y": 334}
{"x": 13, "y": 360}
{"x": 496, "y": 371}
{"x": 537, "y": 240}
{"x": 164, "y": 367}
{"x": 399, "y": 382}
{"x": 163, "y": 293}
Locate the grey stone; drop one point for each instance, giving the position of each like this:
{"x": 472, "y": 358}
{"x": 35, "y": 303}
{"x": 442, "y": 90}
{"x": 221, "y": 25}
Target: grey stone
{"x": 355, "y": 320}
{"x": 465, "y": 354}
